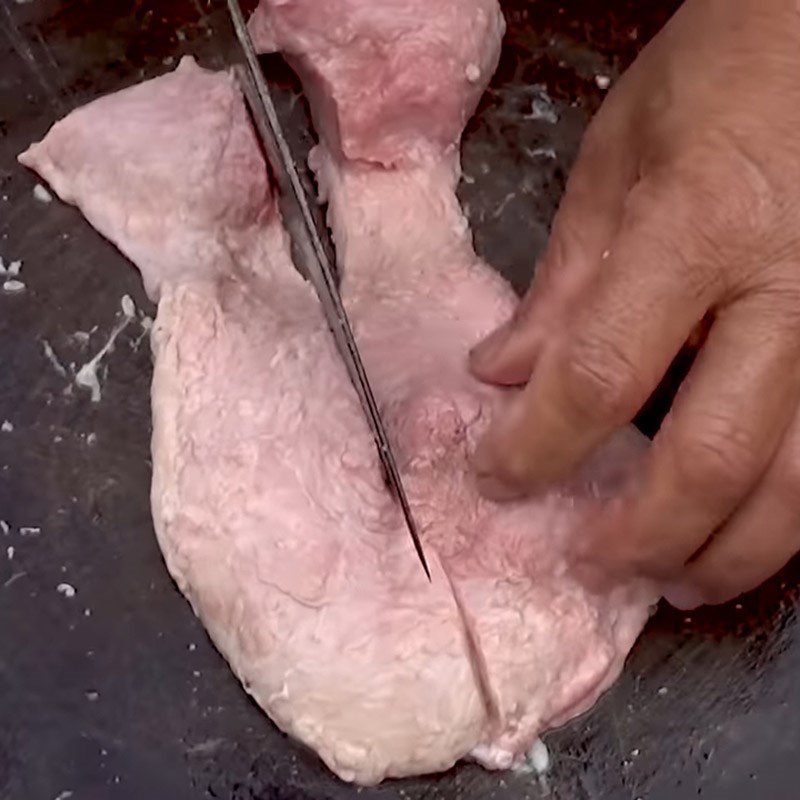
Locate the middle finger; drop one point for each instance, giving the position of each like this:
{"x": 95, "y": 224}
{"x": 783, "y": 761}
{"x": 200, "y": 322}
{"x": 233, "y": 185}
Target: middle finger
{"x": 726, "y": 423}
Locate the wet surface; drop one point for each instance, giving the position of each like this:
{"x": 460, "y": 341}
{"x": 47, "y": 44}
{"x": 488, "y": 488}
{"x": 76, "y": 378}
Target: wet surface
{"x": 114, "y": 691}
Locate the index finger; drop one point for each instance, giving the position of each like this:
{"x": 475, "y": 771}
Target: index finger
{"x": 598, "y": 370}
{"x": 588, "y": 217}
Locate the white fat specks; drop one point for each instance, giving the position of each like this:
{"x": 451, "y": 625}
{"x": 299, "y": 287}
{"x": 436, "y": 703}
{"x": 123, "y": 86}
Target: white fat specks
{"x": 11, "y": 285}
{"x": 50, "y": 355}
{"x": 502, "y": 205}
{"x": 128, "y": 306}
{"x": 540, "y": 152}
{"x": 5, "y": 527}
{"x": 147, "y": 327}
{"x": 14, "y": 578}
{"x": 12, "y": 270}
{"x": 542, "y": 106}
{"x": 41, "y": 194}
{"x": 536, "y": 761}
{"x": 82, "y": 337}
{"x": 602, "y": 81}
{"x": 67, "y": 589}
{"x": 6, "y": 427}
{"x": 539, "y": 757}
{"x": 205, "y": 748}
{"x": 473, "y": 73}
{"x": 87, "y": 377}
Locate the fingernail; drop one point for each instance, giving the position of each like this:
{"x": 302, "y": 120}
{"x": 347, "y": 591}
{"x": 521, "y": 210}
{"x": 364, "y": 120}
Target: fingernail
{"x": 487, "y": 350}
{"x": 683, "y": 597}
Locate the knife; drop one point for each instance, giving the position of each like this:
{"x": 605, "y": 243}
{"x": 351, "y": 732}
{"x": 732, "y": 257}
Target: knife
{"x": 310, "y": 255}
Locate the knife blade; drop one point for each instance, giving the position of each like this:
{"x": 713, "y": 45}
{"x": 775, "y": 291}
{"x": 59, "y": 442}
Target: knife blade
{"x": 309, "y": 250}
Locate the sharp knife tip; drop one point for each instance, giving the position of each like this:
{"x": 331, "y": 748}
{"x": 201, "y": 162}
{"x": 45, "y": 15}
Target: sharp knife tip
{"x": 427, "y": 571}
{"x": 421, "y": 555}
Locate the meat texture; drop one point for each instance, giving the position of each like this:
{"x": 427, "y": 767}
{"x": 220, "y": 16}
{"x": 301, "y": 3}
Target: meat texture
{"x": 388, "y": 81}
{"x": 267, "y": 495}
{"x": 126, "y": 185}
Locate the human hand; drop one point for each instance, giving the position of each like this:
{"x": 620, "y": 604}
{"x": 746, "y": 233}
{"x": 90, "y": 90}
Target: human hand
{"x": 684, "y": 202}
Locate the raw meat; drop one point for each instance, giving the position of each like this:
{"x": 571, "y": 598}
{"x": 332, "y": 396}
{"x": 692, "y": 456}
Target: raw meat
{"x": 156, "y": 190}
{"x": 267, "y": 497}
{"x": 388, "y": 81}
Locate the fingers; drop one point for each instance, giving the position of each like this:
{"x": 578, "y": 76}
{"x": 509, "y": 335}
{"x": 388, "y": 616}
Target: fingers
{"x": 725, "y": 426}
{"x": 599, "y": 369}
{"x": 758, "y": 540}
{"x": 587, "y": 219}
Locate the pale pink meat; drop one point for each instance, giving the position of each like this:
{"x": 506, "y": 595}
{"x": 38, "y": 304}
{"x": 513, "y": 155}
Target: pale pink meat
{"x": 170, "y": 229}
{"x": 388, "y": 80}
{"x": 267, "y": 497}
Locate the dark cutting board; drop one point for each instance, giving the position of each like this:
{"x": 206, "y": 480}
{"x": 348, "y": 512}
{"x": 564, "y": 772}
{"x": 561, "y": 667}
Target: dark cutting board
{"x": 116, "y": 691}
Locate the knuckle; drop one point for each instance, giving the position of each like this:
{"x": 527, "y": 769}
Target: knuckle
{"x": 601, "y": 380}
{"x": 750, "y": 189}
{"x": 729, "y": 201}
{"x": 686, "y": 245}
{"x": 715, "y": 171}
{"x": 721, "y": 457}
{"x": 698, "y": 273}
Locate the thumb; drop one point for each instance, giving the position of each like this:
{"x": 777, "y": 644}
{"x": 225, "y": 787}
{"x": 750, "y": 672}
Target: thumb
{"x": 584, "y": 227}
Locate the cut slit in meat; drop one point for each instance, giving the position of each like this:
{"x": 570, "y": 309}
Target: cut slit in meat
{"x": 268, "y": 502}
